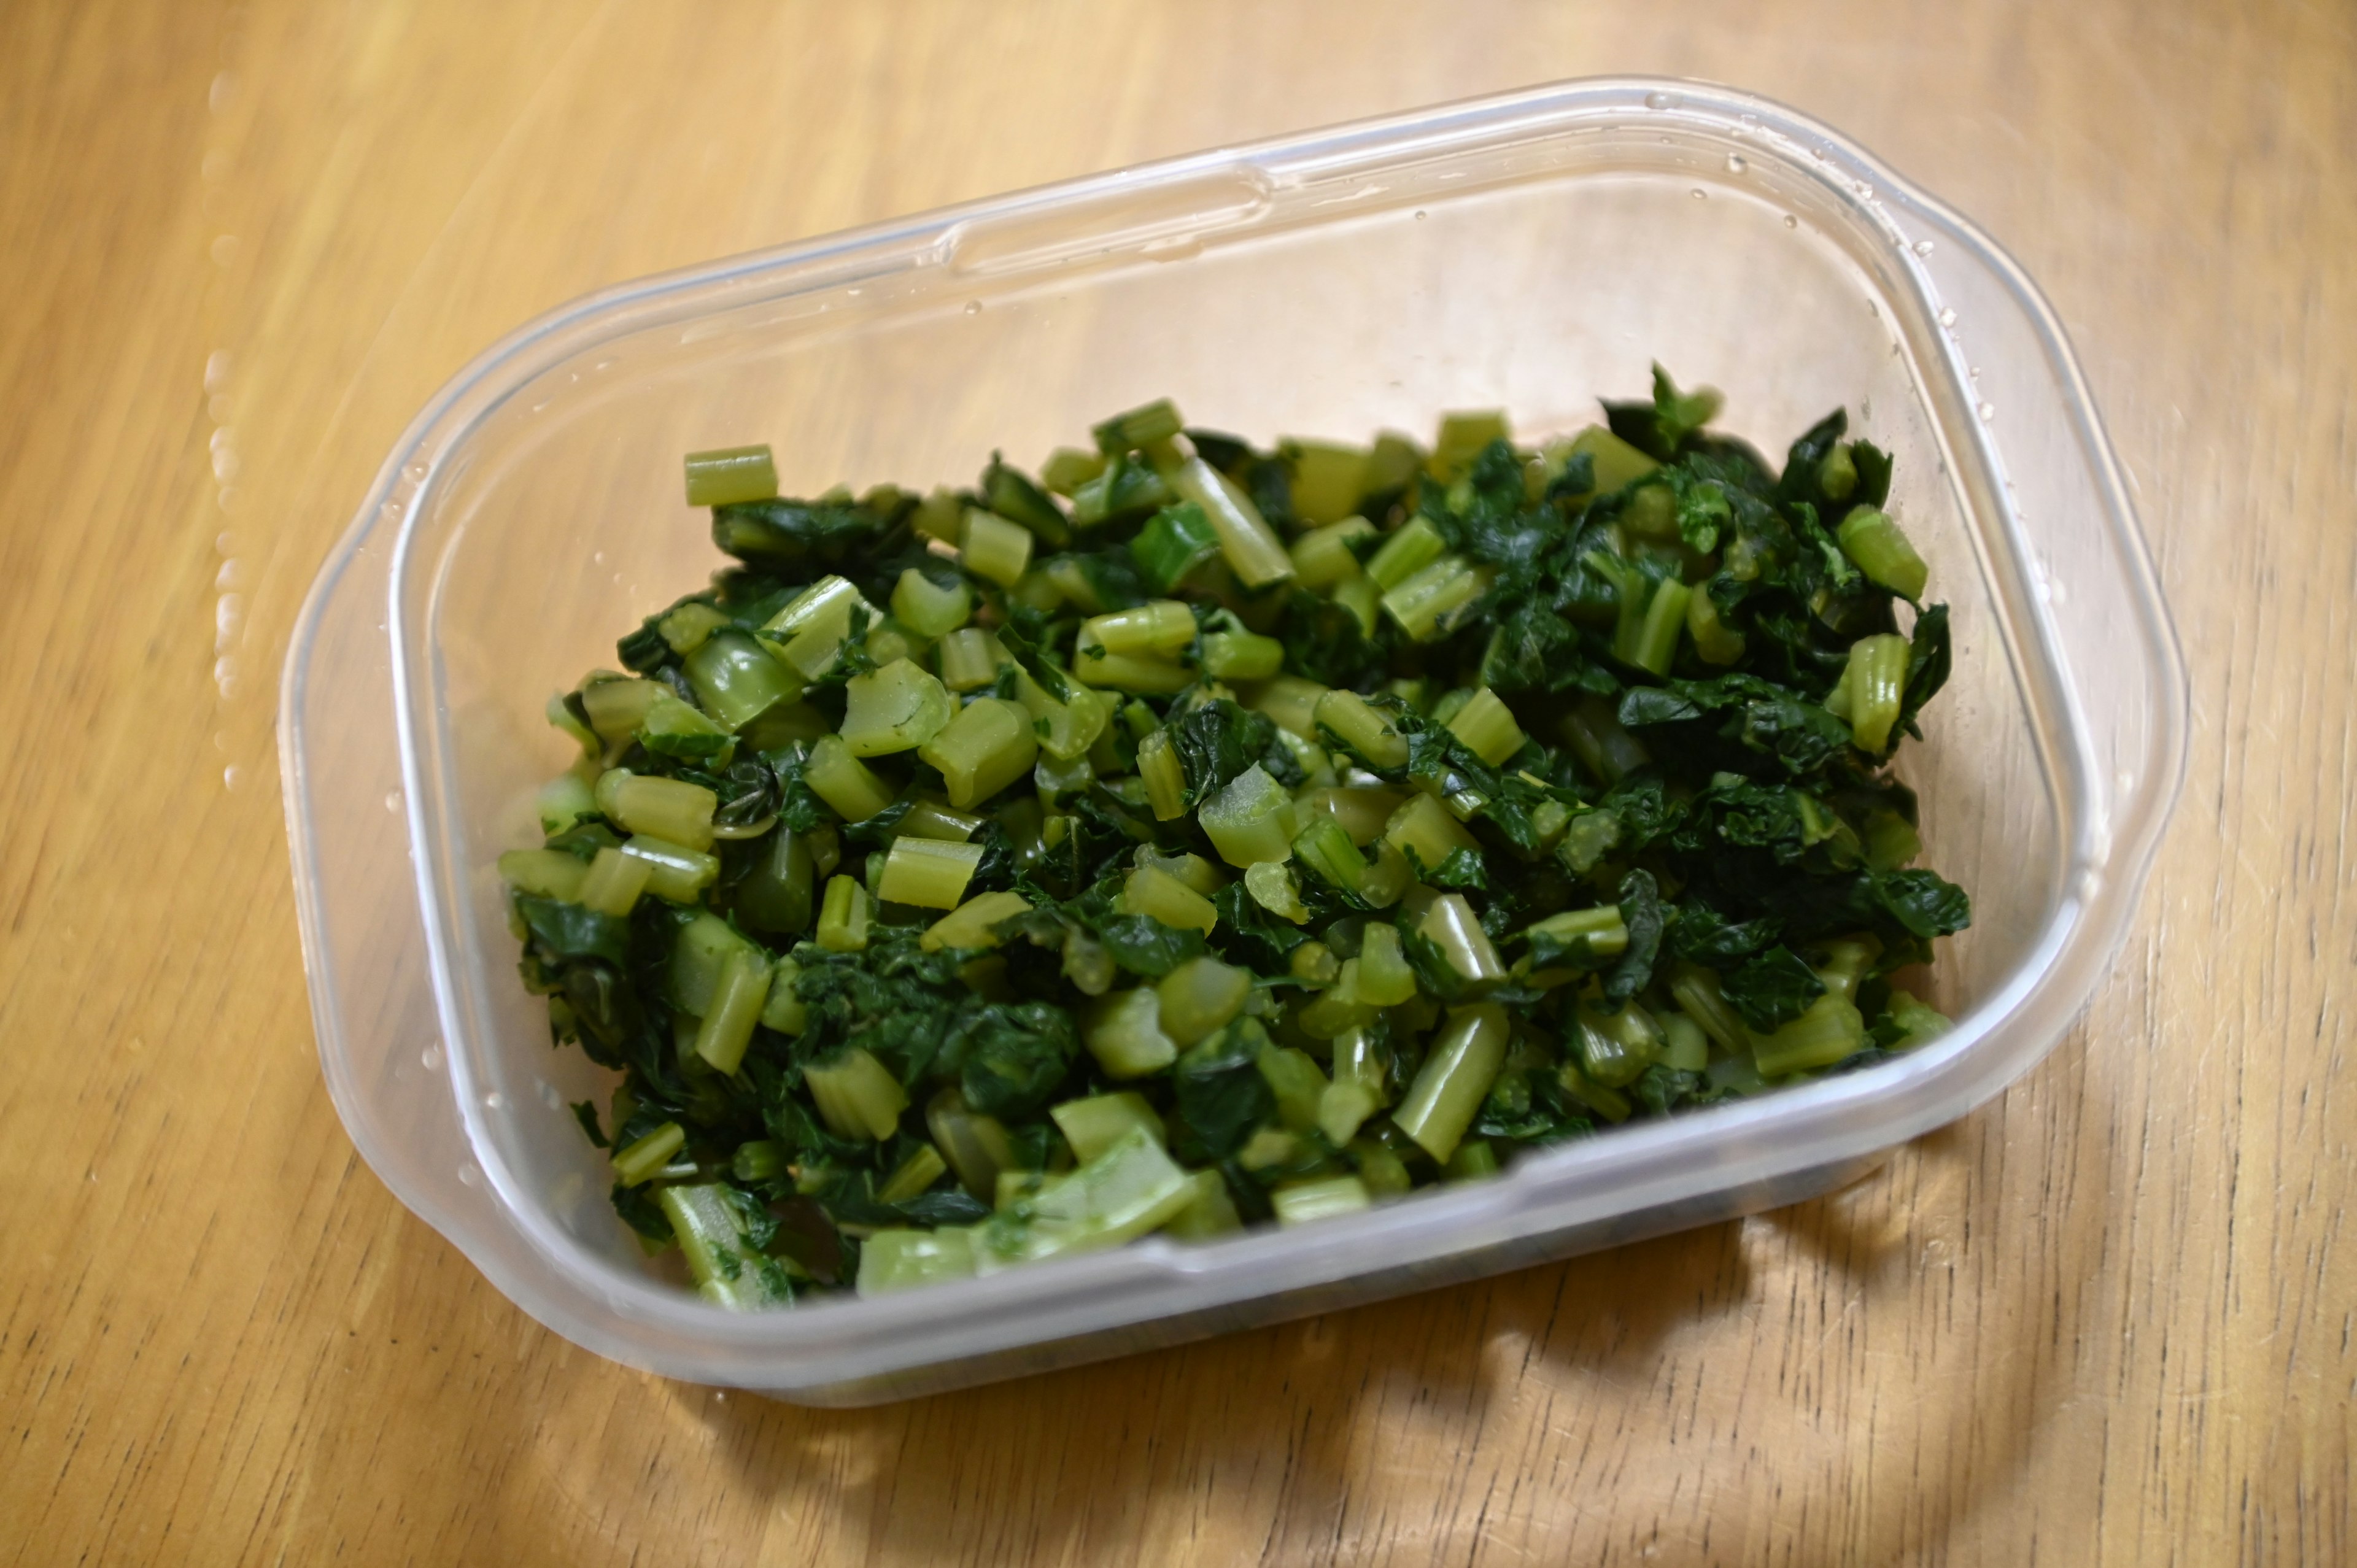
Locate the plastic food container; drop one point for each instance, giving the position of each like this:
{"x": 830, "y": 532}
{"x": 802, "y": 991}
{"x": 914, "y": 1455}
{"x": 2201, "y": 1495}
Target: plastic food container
{"x": 1527, "y": 252}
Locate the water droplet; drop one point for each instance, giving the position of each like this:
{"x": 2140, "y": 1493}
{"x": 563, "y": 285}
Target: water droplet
{"x": 1791, "y": 221}
{"x": 1818, "y": 152}
{"x": 431, "y": 1056}
{"x": 1735, "y": 164}
{"x": 1987, "y": 411}
{"x": 1659, "y": 100}
{"x": 391, "y": 511}
{"x": 224, "y": 87}
{"x": 1866, "y": 190}
{"x": 225, "y": 464}
{"x": 1948, "y": 316}
{"x": 217, "y": 366}
{"x": 227, "y": 498}
{"x": 1922, "y": 247}
{"x": 597, "y": 559}
{"x": 467, "y": 1174}
{"x": 225, "y": 542}
{"x": 495, "y": 1102}
{"x": 230, "y": 575}
{"x": 415, "y": 473}
{"x": 1975, "y": 372}
{"x": 230, "y": 777}
{"x": 974, "y": 307}
{"x": 225, "y": 676}
{"x": 1419, "y": 214}
{"x": 393, "y": 801}
{"x": 1697, "y": 194}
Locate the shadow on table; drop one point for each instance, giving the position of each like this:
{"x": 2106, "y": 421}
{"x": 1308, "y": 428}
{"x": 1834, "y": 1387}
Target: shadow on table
{"x": 1286, "y": 1444}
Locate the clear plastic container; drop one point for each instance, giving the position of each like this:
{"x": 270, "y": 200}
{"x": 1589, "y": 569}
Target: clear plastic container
{"x": 1527, "y": 252}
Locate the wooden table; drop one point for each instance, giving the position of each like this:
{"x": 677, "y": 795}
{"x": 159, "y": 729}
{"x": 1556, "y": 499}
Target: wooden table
{"x": 2107, "y": 1318}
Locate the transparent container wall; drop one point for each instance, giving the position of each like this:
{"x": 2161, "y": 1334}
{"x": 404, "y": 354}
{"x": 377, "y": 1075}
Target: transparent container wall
{"x": 1530, "y": 283}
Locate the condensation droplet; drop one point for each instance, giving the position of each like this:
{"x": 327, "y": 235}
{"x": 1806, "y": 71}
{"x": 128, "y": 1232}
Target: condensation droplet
{"x": 467, "y": 1174}
{"x": 225, "y": 542}
{"x": 230, "y": 777}
{"x": 1698, "y": 193}
{"x": 224, "y": 86}
{"x": 1419, "y": 214}
{"x": 393, "y": 801}
{"x": 415, "y": 473}
{"x": 217, "y": 365}
{"x": 597, "y": 558}
{"x": 225, "y": 675}
{"x": 1922, "y": 247}
{"x": 431, "y": 1056}
{"x": 1791, "y": 221}
{"x": 974, "y": 307}
{"x": 1736, "y": 163}
{"x": 225, "y": 464}
{"x": 495, "y": 1100}
{"x": 1987, "y": 411}
{"x": 1659, "y": 100}
{"x": 1866, "y": 190}
{"x": 227, "y": 498}
{"x": 1948, "y": 316}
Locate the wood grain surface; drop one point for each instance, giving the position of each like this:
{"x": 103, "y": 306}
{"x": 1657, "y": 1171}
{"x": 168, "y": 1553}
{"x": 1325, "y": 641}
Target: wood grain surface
{"x": 2107, "y": 1318}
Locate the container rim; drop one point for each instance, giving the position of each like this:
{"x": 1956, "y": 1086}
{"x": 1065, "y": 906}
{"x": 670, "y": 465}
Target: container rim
{"x": 2110, "y": 841}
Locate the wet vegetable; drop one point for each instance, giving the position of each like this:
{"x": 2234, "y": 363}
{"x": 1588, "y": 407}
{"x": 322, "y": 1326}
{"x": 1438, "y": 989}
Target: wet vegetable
{"x": 1211, "y": 835}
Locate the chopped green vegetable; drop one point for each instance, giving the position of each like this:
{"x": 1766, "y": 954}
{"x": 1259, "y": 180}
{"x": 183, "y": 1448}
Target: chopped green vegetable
{"x": 1262, "y": 834}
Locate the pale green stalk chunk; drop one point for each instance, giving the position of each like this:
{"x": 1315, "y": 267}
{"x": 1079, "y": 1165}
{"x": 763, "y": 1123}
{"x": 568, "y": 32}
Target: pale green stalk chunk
{"x": 986, "y": 748}
{"x": 1830, "y": 1030}
{"x": 675, "y": 874}
{"x": 930, "y": 609}
{"x": 1162, "y": 626}
{"x": 1301, "y": 1202}
{"x": 1093, "y": 1125}
{"x": 1124, "y": 1032}
{"x": 995, "y": 548}
{"x": 970, "y": 658}
{"x": 1249, "y": 820}
{"x": 1322, "y": 558}
{"x": 728, "y": 1270}
{"x": 1210, "y": 1212}
{"x": 1486, "y": 727}
{"x": 615, "y": 882}
{"x": 1129, "y": 1188}
{"x": 971, "y": 924}
{"x": 642, "y": 1161}
{"x": 930, "y": 873}
{"x": 1198, "y": 997}
{"x": 669, "y": 809}
{"x": 1250, "y": 545}
{"x": 1166, "y": 780}
{"x": 737, "y": 679}
{"x": 897, "y": 708}
{"x": 856, "y": 1096}
{"x": 843, "y": 918}
{"x": 727, "y": 474}
{"x": 1881, "y": 550}
{"x": 1157, "y": 893}
{"x": 838, "y": 776}
{"x": 1365, "y": 730}
{"x": 1875, "y": 682}
{"x": 543, "y": 874}
{"x": 903, "y": 1260}
{"x": 727, "y": 1026}
{"x": 1328, "y": 479}
{"x": 1459, "y": 1067}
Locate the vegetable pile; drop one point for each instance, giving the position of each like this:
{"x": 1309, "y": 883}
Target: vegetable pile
{"x": 1198, "y": 834}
